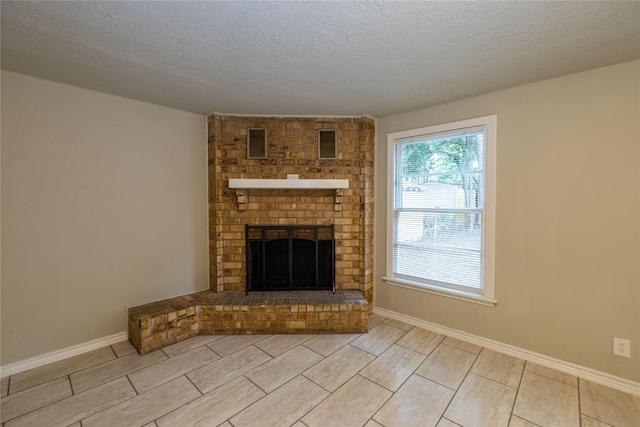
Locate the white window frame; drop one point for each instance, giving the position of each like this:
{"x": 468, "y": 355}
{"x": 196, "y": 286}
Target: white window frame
{"x": 486, "y": 297}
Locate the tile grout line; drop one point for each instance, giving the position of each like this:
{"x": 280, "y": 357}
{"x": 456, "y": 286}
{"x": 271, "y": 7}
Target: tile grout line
{"x": 460, "y": 385}
{"x": 494, "y": 380}
{"x": 113, "y": 351}
{"x": 579, "y": 404}
{"x": 324, "y": 358}
{"x": 458, "y": 348}
{"x": 196, "y": 387}
{"x": 73, "y": 392}
{"x": 393, "y": 393}
{"x": 441, "y": 342}
{"x": 549, "y": 378}
{"x": 515, "y": 399}
{"x": 33, "y": 410}
{"x": 132, "y": 386}
{"x": 266, "y": 393}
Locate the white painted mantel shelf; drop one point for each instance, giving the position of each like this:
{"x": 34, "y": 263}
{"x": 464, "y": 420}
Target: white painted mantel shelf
{"x": 242, "y": 185}
{"x": 289, "y": 184}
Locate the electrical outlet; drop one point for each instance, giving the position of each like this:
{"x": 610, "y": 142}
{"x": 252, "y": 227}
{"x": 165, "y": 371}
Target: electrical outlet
{"x": 621, "y": 347}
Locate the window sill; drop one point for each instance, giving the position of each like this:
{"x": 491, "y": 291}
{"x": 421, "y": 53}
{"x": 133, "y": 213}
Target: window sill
{"x": 449, "y": 293}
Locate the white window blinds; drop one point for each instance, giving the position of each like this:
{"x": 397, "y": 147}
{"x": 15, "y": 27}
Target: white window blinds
{"x": 439, "y": 207}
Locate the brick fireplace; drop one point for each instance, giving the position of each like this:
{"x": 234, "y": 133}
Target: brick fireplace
{"x": 292, "y": 149}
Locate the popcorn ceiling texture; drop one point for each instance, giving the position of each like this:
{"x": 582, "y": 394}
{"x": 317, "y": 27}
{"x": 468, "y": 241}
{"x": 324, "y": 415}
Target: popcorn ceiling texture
{"x": 292, "y": 149}
{"x": 312, "y": 57}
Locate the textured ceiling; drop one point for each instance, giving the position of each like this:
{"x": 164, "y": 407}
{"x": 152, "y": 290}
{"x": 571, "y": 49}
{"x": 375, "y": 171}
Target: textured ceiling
{"x": 312, "y": 58}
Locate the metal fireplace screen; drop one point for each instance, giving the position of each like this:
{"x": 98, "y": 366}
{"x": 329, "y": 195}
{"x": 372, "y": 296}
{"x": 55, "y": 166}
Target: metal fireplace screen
{"x": 299, "y": 257}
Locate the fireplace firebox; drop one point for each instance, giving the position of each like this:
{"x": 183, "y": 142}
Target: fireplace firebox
{"x": 290, "y": 257}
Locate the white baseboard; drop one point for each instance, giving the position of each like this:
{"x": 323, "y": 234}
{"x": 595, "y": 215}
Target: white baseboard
{"x": 583, "y": 372}
{"x": 54, "y": 356}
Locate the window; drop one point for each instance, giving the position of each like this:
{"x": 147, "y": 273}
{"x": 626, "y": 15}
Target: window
{"x": 441, "y": 209}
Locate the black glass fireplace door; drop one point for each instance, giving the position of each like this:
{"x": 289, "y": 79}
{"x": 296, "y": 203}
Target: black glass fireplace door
{"x": 290, "y": 258}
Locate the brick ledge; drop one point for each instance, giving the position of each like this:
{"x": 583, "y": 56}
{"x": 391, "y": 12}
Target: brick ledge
{"x": 161, "y": 323}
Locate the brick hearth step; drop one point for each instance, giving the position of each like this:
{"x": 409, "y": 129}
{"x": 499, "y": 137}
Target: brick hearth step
{"x": 165, "y": 322}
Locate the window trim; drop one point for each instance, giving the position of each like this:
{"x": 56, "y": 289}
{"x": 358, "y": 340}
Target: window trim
{"x": 486, "y": 297}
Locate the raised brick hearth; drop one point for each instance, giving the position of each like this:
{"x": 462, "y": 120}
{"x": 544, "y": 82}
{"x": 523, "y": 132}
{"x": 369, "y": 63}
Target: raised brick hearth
{"x": 160, "y": 323}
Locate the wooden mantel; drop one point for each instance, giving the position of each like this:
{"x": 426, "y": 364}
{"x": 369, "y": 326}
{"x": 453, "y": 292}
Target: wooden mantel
{"x": 242, "y": 185}
{"x": 289, "y": 184}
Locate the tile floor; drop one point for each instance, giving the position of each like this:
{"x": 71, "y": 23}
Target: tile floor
{"x": 396, "y": 375}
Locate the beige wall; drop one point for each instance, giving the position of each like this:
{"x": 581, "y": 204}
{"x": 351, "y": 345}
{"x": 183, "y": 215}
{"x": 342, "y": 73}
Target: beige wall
{"x": 104, "y": 206}
{"x": 567, "y": 220}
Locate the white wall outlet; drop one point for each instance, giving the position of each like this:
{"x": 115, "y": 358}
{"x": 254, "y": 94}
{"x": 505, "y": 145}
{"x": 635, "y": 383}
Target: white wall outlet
{"x": 292, "y": 176}
{"x": 621, "y": 347}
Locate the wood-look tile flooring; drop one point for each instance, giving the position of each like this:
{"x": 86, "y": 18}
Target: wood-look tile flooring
{"x": 396, "y": 375}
